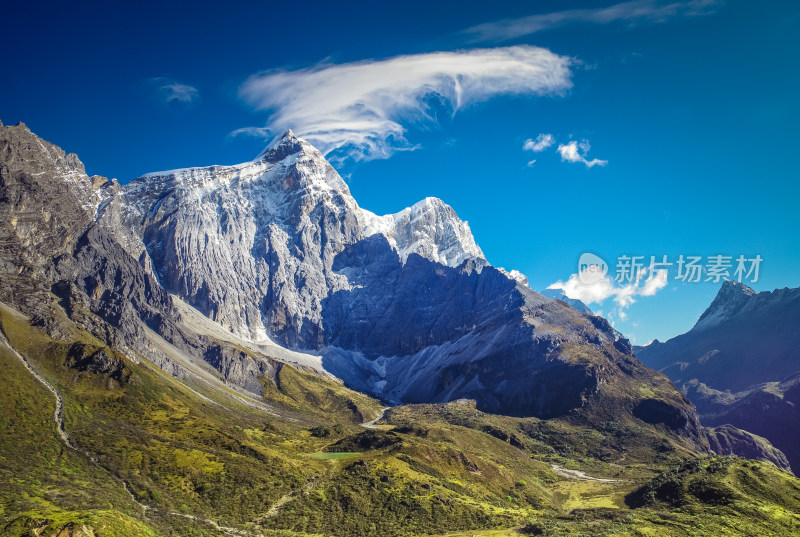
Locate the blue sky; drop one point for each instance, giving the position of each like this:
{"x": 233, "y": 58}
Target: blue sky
{"x": 691, "y": 105}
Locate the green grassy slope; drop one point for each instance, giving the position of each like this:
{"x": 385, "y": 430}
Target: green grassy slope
{"x": 44, "y": 485}
{"x": 312, "y": 469}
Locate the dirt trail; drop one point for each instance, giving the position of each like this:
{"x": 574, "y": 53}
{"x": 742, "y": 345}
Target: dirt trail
{"x": 578, "y": 475}
{"x": 371, "y": 423}
{"x": 309, "y": 486}
{"x": 58, "y": 418}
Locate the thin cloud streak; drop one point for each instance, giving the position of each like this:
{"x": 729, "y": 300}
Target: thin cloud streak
{"x": 256, "y": 132}
{"x": 636, "y": 11}
{"x": 171, "y": 90}
{"x": 361, "y": 110}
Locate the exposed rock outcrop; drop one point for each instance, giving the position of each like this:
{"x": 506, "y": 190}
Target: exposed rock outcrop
{"x": 728, "y": 440}
{"x": 740, "y": 363}
{"x": 403, "y": 306}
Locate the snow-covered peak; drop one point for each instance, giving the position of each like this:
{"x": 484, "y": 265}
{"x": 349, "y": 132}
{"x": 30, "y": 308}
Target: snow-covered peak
{"x": 309, "y": 162}
{"x": 281, "y": 146}
{"x": 291, "y": 175}
{"x": 516, "y": 275}
{"x": 429, "y": 228}
{"x": 287, "y": 163}
{"x": 730, "y": 299}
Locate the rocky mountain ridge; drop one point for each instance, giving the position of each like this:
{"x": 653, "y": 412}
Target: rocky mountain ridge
{"x": 277, "y": 254}
{"x": 731, "y": 298}
{"x": 252, "y": 245}
{"x": 743, "y": 338}
{"x": 278, "y": 248}
{"x": 739, "y": 364}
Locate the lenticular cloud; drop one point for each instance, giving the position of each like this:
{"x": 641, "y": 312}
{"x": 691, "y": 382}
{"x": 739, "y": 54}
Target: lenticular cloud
{"x": 361, "y": 108}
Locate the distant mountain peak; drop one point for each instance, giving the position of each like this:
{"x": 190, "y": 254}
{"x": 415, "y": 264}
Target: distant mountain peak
{"x": 732, "y": 287}
{"x": 430, "y": 206}
{"x": 559, "y": 294}
{"x": 730, "y": 298}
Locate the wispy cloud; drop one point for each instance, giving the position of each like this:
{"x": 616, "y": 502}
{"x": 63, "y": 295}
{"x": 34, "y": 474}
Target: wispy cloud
{"x": 364, "y": 108}
{"x": 636, "y": 11}
{"x": 576, "y": 152}
{"x": 256, "y": 132}
{"x": 173, "y": 91}
{"x": 648, "y": 283}
{"x": 573, "y": 151}
{"x": 542, "y": 142}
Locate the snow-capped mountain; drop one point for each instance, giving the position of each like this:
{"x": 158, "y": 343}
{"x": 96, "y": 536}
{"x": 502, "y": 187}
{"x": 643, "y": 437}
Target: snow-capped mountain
{"x": 429, "y": 228}
{"x": 731, "y": 298}
{"x": 227, "y": 273}
{"x": 403, "y": 306}
{"x": 251, "y": 246}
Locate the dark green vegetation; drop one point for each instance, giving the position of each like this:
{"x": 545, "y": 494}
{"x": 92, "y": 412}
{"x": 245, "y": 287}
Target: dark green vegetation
{"x": 311, "y": 469}
{"x": 167, "y": 423}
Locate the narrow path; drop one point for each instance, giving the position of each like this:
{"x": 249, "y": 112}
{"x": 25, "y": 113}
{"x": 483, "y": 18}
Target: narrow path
{"x": 59, "y": 411}
{"x": 308, "y": 487}
{"x": 312, "y": 483}
{"x": 371, "y": 423}
{"x": 578, "y": 475}
{"x": 58, "y": 418}
{"x": 224, "y": 529}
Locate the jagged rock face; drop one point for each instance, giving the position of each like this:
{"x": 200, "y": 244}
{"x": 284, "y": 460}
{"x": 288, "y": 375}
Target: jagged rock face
{"x": 59, "y": 262}
{"x": 405, "y": 305}
{"x": 744, "y": 338}
{"x": 397, "y": 309}
{"x": 249, "y": 246}
{"x": 252, "y": 246}
{"x": 730, "y": 300}
{"x": 728, "y": 440}
{"x": 739, "y": 363}
{"x": 46, "y": 201}
{"x": 424, "y": 332}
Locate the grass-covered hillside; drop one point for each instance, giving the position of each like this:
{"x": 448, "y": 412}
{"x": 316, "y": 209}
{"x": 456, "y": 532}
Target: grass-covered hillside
{"x": 153, "y": 456}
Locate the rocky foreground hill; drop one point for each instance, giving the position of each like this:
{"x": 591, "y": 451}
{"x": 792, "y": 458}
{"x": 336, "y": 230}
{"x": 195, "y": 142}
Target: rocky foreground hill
{"x": 203, "y": 331}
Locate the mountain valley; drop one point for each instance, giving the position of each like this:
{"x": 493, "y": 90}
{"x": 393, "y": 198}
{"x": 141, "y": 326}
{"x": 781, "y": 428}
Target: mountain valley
{"x": 243, "y": 350}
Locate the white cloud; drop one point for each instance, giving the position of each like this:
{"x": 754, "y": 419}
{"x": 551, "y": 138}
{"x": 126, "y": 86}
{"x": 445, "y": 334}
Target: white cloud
{"x": 172, "y": 90}
{"x": 654, "y": 283}
{"x": 542, "y": 142}
{"x": 257, "y": 132}
{"x": 576, "y": 152}
{"x": 531, "y": 163}
{"x": 363, "y": 108}
{"x": 623, "y": 295}
{"x": 636, "y": 11}
{"x": 593, "y": 293}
